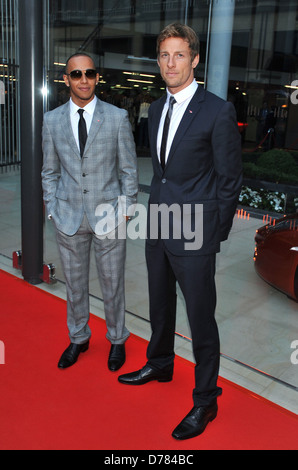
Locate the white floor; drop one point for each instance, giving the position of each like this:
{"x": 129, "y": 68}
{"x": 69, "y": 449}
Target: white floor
{"x": 257, "y": 323}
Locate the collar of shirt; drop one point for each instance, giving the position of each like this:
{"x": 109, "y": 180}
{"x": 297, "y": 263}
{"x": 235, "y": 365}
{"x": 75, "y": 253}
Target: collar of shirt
{"x": 89, "y": 108}
{"x": 184, "y": 94}
{"x": 88, "y": 115}
{"x": 183, "y": 99}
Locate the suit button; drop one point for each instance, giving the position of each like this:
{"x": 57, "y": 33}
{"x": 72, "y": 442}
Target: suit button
{"x": 164, "y": 180}
{"x": 84, "y": 174}
{"x": 85, "y": 191}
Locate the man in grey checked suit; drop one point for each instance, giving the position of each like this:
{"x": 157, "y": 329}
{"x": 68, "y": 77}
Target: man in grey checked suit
{"x": 89, "y": 194}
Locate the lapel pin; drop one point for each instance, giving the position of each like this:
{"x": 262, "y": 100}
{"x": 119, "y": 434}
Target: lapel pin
{"x": 190, "y": 111}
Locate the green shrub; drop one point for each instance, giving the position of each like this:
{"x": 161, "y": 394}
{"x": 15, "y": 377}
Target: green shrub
{"x": 277, "y": 166}
{"x": 294, "y": 154}
{"x": 278, "y": 160}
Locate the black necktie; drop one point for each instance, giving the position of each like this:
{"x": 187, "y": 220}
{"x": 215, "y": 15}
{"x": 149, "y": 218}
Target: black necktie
{"x": 165, "y": 133}
{"x": 82, "y": 131}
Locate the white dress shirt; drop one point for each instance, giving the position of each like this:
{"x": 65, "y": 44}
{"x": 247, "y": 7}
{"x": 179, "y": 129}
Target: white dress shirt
{"x": 88, "y": 116}
{"x": 74, "y": 117}
{"x": 183, "y": 99}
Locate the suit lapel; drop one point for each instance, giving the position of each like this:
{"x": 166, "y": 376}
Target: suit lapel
{"x": 97, "y": 121}
{"x": 98, "y": 118}
{"x": 190, "y": 114}
{"x": 67, "y": 130}
{"x": 155, "y": 126}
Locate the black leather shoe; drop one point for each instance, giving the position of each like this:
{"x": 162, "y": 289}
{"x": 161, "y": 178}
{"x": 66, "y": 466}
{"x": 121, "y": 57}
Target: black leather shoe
{"x": 144, "y": 375}
{"x": 71, "y": 354}
{"x": 196, "y": 421}
{"x": 116, "y": 357}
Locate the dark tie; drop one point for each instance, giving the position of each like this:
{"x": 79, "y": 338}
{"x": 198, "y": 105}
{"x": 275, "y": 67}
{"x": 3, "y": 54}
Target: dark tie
{"x": 165, "y": 133}
{"x": 82, "y": 131}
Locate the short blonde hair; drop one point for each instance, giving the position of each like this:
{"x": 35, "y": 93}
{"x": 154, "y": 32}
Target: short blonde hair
{"x": 178, "y": 30}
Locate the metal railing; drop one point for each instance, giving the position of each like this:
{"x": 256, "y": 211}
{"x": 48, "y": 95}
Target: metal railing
{"x": 9, "y": 71}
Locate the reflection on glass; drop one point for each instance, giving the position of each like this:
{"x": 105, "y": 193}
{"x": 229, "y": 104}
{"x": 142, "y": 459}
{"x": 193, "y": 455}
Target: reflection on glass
{"x": 255, "y": 321}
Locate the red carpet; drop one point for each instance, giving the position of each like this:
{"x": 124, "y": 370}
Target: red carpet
{"x": 85, "y": 408}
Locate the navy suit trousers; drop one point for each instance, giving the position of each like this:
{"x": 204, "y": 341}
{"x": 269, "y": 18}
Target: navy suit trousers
{"x": 195, "y": 276}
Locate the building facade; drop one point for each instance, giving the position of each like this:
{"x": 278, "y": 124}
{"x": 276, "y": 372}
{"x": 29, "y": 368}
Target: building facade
{"x": 249, "y": 55}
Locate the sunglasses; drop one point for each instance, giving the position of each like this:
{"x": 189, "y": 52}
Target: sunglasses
{"x": 77, "y": 74}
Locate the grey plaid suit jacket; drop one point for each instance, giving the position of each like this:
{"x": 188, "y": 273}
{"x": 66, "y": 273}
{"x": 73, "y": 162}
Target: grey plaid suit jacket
{"x": 96, "y": 183}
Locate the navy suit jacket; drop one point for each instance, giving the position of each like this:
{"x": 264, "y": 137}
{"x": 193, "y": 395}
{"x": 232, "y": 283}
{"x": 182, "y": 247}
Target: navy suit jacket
{"x": 203, "y": 173}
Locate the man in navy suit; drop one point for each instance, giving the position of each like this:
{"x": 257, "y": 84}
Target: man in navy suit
{"x": 199, "y": 171}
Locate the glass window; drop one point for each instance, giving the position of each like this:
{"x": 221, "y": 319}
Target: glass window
{"x": 9, "y": 154}
{"x": 249, "y": 57}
